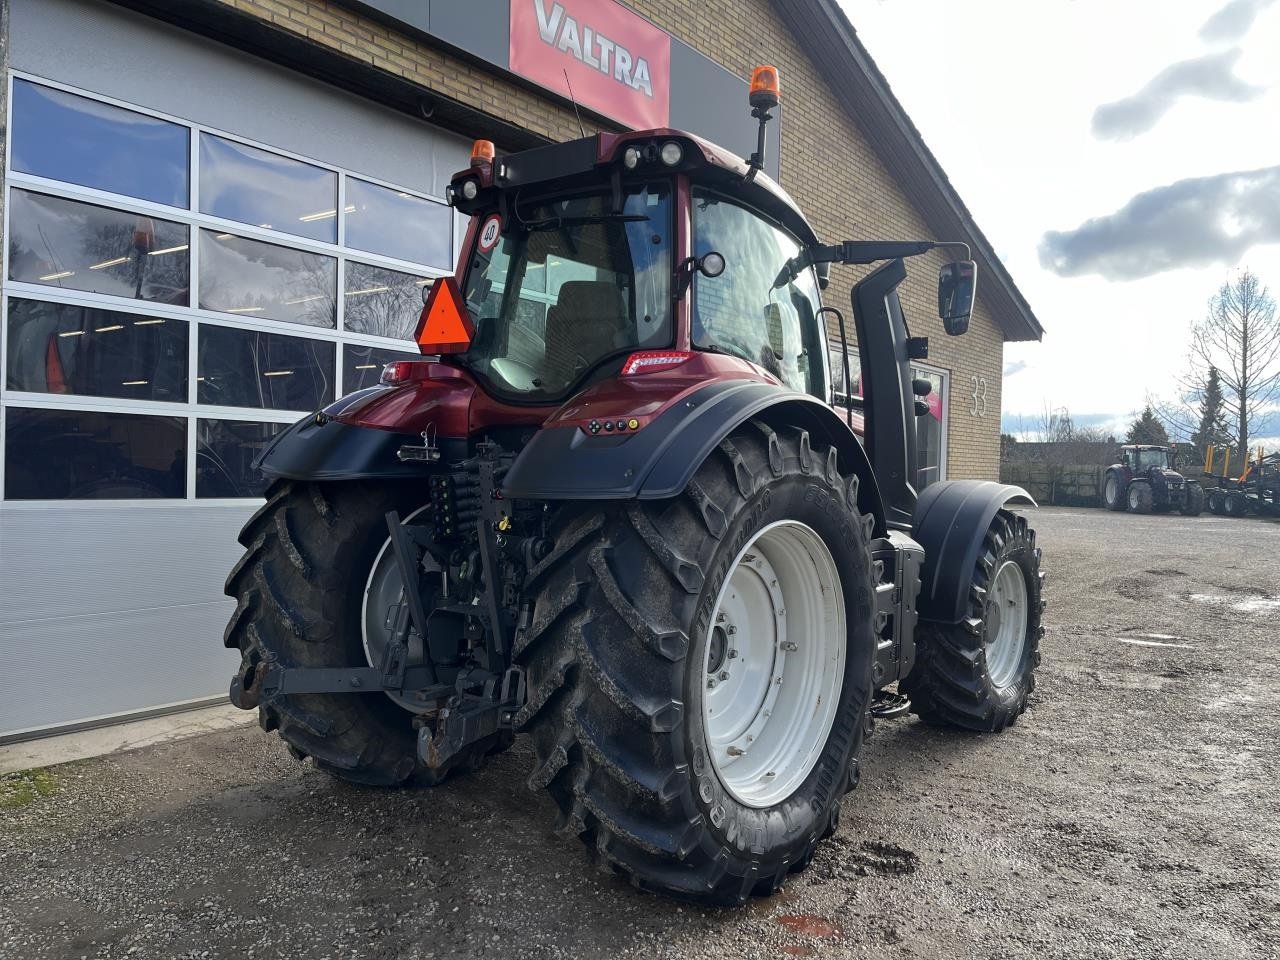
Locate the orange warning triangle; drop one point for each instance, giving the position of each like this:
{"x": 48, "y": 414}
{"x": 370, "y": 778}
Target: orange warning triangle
{"x": 445, "y": 326}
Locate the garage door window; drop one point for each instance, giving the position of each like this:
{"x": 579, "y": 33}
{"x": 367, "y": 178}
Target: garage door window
{"x": 250, "y": 185}
{"x": 397, "y": 224}
{"x": 70, "y": 245}
{"x": 88, "y": 455}
{"x": 249, "y": 368}
{"x": 63, "y": 348}
{"x": 63, "y": 136}
{"x": 167, "y": 281}
{"x": 268, "y": 281}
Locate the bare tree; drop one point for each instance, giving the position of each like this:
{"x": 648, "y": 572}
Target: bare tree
{"x": 1240, "y": 337}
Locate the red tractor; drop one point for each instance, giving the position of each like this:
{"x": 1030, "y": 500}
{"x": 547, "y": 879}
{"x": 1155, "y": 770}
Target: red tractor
{"x": 613, "y": 510}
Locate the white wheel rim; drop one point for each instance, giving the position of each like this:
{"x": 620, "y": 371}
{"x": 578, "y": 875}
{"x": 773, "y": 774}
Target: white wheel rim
{"x": 1006, "y": 624}
{"x": 1112, "y": 489}
{"x": 384, "y": 586}
{"x": 775, "y": 664}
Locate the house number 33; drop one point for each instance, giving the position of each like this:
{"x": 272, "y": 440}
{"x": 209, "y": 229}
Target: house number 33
{"x": 978, "y": 404}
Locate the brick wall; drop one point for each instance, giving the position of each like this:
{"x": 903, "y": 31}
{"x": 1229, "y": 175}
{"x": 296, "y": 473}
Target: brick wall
{"x": 827, "y": 164}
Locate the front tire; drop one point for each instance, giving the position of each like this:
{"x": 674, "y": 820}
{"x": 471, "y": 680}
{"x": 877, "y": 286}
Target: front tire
{"x": 979, "y": 674}
{"x": 626, "y": 648}
{"x": 1140, "y": 498}
{"x": 300, "y": 595}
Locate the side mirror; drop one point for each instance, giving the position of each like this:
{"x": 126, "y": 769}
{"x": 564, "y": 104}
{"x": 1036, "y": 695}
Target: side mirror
{"x": 957, "y": 284}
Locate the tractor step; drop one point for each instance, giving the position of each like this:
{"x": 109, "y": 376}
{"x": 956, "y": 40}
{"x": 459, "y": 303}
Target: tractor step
{"x": 889, "y": 706}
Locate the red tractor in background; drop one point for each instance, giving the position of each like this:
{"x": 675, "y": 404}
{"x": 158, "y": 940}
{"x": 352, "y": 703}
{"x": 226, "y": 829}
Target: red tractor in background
{"x": 1144, "y": 481}
{"x": 613, "y": 510}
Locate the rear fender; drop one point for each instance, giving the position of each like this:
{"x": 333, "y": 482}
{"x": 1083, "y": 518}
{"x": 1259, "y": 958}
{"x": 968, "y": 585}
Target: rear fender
{"x": 658, "y": 461}
{"x": 319, "y": 447}
{"x": 950, "y": 521}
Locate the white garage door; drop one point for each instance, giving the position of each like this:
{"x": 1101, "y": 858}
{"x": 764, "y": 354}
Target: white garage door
{"x": 200, "y": 248}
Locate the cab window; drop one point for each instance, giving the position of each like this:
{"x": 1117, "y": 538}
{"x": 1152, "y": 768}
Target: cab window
{"x": 744, "y": 311}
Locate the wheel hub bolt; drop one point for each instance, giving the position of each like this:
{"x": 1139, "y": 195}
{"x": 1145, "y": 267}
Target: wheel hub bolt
{"x": 724, "y": 674}
{"x": 731, "y": 629}
{"x": 790, "y": 646}
{"x": 733, "y": 654}
{"x": 711, "y": 683}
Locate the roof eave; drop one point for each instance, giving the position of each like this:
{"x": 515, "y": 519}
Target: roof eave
{"x": 822, "y": 28}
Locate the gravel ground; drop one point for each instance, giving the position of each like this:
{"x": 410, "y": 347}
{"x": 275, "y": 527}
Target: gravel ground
{"x": 1133, "y": 812}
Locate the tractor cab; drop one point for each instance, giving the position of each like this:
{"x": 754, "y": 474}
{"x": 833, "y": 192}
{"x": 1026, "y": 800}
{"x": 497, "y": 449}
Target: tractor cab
{"x": 1143, "y": 458}
{"x": 653, "y": 243}
{"x": 620, "y": 255}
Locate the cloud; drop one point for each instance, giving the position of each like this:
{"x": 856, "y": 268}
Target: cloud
{"x": 1194, "y": 222}
{"x": 1014, "y": 366}
{"x": 1233, "y": 20}
{"x": 1211, "y": 76}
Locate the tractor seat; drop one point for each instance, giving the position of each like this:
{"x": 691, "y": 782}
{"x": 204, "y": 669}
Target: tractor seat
{"x": 589, "y": 321}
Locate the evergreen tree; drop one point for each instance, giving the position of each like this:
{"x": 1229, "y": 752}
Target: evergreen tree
{"x": 1147, "y": 428}
{"x": 1212, "y": 427}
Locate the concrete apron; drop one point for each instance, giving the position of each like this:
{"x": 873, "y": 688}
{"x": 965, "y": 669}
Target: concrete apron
{"x": 131, "y": 735}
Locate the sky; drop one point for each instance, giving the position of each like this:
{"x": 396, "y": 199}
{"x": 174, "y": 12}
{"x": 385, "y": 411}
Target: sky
{"x": 1121, "y": 156}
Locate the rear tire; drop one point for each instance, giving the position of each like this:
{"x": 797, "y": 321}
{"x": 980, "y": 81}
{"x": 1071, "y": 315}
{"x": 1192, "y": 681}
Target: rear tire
{"x": 976, "y": 674}
{"x": 1140, "y": 499}
{"x": 1234, "y": 505}
{"x": 1113, "y": 493}
{"x": 299, "y": 591}
{"x": 1193, "y": 504}
{"x": 1216, "y": 502}
{"x": 622, "y": 649}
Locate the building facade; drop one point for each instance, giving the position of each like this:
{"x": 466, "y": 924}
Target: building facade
{"x": 220, "y": 215}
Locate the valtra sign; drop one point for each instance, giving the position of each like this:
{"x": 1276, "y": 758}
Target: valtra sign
{"x": 619, "y": 64}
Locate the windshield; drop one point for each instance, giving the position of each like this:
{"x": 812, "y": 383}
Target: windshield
{"x": 1151, "y": 458}
{"x": 570, "y": 283}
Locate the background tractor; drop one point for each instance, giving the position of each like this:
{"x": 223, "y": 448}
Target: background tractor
{"x": 1144, "y": 480}
{"x": 613, "y": 509}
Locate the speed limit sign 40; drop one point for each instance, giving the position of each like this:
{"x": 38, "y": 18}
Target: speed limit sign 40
{"x": 490, "y": 231}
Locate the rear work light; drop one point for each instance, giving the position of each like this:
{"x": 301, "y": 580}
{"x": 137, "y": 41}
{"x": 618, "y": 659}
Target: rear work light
{"x": 648, "y": 361}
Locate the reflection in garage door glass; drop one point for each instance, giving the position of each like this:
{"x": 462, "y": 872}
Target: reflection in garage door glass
{"x": 245, "y": 368}
{"x": 225, "y": 451}
{"x": 84, "y": 455}
{"x": 381, "y": 302}
{"x": 259, "y": 280}
{"x": 86, "y": 351}
{"x": 82, "y": 246}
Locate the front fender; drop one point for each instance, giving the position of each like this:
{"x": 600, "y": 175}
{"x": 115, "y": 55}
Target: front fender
{"x": 657, "y": 462}
{"x": 951, "y": 518}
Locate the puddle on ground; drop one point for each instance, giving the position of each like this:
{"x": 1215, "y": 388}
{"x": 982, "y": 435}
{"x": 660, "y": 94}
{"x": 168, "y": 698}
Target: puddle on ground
{"x": 1245, "y": 605}
{"x": 1154, "y": 643}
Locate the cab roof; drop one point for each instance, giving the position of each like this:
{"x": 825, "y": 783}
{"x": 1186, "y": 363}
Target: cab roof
{"x": 593, "y": 161}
